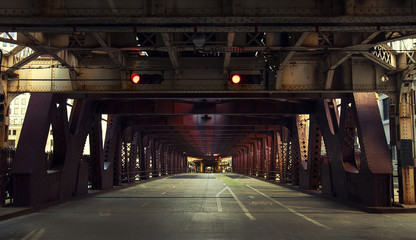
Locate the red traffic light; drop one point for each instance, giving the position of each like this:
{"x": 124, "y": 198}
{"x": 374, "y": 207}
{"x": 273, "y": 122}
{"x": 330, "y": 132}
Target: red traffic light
{"x": 246, "y": 79}
{"x": 135, "y": 78}
{"x": 235, "y": 78}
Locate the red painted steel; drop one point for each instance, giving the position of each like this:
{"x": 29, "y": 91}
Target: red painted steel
{"x": 154, "y": 137}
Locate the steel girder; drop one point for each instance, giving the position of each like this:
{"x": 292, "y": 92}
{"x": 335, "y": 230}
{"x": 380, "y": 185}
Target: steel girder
{"x": 153, "y": 15}
{"x": 344, "y": 170}
{"x": 362, "y": 173}
{"x": 126, "y": 154}
{"x": 402, "y": 136}
{"x": 64, "y": 174}
{"x": 236, "y": 107}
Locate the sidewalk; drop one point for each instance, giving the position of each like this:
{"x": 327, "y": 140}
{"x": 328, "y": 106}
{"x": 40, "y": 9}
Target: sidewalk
{"x": 8, "y": 212}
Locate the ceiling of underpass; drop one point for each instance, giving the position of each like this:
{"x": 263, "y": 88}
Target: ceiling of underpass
{"x": 291, "y": 52}
{"x": 206, "y": 127}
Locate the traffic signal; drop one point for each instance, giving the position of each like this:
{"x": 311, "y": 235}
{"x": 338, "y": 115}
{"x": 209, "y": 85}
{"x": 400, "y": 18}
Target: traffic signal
{"x": 135, "y": 78}
{"x": 246, "y": 78}
{"x": 235, "y": 79}
{"x": 146, "y": 78}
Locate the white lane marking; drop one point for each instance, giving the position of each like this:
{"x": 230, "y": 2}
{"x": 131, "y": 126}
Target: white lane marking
{"x": 144, "y": 204}
{"x": 29, "y": 235}
{"x": 239, "y": 177}
{"x": 219, "y": 206}
{"x": 242, "y": 206}
{"x": 39, "y": 234}
{"x": 163, "y": 193}
{"x": 292, "y": 210}
{"x": 34, "y": 235}
{"x": 104, "y": 214}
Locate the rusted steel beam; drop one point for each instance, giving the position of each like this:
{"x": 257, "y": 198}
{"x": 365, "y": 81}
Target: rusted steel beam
{"x": 202, "y": 121}
{"x": 369, "y": 182}
{"x": 236, "y": 107}
{"x": 209, "y": 96}
{"x": 310, "y": 177}
{"x": 70, "y": 174}
{"x": 112, "y": 146}
{"x": 214, "y": 129}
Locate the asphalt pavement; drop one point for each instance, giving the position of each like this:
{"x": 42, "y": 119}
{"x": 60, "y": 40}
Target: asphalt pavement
{"x": 207, "y": 206}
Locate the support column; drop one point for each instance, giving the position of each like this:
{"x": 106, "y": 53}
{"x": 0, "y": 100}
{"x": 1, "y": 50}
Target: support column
{"x": 271, "y": 161}
{"x": 101, "y": 171}
{"x": 67, "y": 173}
{"x": 248, "y": 160}
{"x": 112, "y": 147}
{"x": 280, "y": 157}
{"x": 310, "y": 175}
{"x": 144, "y": 158}
{"x": 262, "y": 153}
{"x": 406, "y": 162}
{"x": 358, "y": 165}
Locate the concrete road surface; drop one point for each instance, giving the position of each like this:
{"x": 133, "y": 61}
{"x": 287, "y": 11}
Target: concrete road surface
{"x": 207, "y": 206}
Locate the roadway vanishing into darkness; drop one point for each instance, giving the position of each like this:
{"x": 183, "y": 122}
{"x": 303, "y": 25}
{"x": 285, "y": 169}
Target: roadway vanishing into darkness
{"x": 206, "y": 206}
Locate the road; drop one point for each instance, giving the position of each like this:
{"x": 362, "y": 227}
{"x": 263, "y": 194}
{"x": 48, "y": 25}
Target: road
{"x": 207, "y": 206}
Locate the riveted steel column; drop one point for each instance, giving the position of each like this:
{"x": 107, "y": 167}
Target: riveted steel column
{"x": 158, "y": 158}
{"x": 355, "y": 170}
{"x": 101, "y": 172}
{"x": 66, "y": 175}
{"x": 174, "y": 161}
{"x": 310, "y": 172}
{"x": 406, "y": 158}
{"x": 143, "y": 158}
{"x": 112, "y": 147}
{"x": 133, "y": 157}
{"x": 331, "y": 167}
{"x": 256, "y": 158}
{"x": 162, "y": 152}
{"x": 279, "y": 155}
{"x": 246, "y": 160}
{"x": 314, "y": 159}
{"x": 234, "y": 161}
{"x": 375, "y": 157}
{"x": 295, "y": 155}
{"x": 169, "y": 160}
{"x": 269, "y": 168}
{"x": 152, "y": 154}
{"x": 286, "y": 158}
{"x": 271, "y": 139}
{"x": 263, "y": 156}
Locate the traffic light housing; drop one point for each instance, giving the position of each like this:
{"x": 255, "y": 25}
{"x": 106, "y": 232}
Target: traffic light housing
{"x": 245, "y": 79}
{"x": 137, "y": 79}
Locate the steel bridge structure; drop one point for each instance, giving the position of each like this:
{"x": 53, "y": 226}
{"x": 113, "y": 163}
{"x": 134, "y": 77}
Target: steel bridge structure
{"x": 309, "y": 117}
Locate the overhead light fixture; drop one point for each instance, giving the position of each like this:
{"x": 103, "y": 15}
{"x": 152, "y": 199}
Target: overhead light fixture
{"x": 143, "y": 54}
{"x": 199, "y": 40}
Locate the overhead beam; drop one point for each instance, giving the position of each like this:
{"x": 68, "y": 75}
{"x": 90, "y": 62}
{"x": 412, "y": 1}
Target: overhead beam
{"x": 227, "y": 55}
{"x": 24, "y": 61}
{"x": 200, "y": 120}
{"x": 237, "y": 107}
{"x": 336, "y": 59}
{"x": 220, "y": 129}
{"x": 173, "y": 55}
{"x": 286, "y": 59}
{"x": 115, "y": 54}
{"x": 53, "y": 52}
